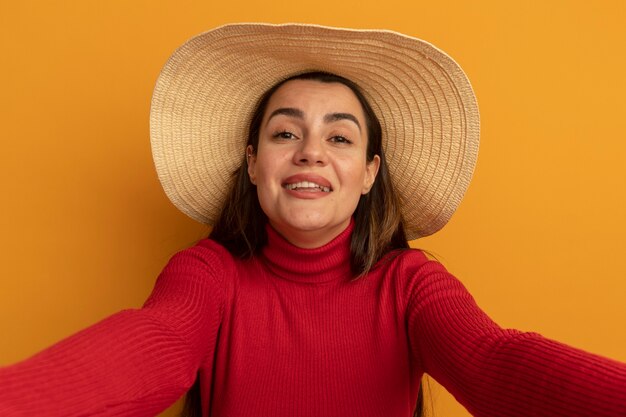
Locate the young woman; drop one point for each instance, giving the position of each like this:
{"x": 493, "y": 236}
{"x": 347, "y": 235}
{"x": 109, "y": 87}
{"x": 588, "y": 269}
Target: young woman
{"x": 305, "y": 300}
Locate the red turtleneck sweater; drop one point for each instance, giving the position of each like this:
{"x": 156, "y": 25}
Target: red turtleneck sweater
{"x": 288, "y": 333}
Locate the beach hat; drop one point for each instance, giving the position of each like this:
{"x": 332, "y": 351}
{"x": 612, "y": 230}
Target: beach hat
{"x": 207, "y": 91}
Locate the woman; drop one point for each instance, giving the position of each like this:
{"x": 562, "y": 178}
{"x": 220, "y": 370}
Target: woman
{"x": 306, "y": 300}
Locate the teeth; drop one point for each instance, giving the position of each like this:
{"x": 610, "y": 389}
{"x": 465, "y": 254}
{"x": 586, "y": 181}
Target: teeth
{"x": 307, "y": 184}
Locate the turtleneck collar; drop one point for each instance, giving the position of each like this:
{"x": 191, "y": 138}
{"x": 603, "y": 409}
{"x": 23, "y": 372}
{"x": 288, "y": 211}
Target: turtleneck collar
{"x": 326, "y": 263}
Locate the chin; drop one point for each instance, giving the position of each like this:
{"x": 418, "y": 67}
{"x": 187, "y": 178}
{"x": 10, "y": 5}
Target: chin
{"x": 308, "y": 225}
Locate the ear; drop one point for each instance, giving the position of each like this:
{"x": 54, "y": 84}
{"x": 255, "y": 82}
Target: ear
{"x": 251, "y": 159}
{"x": 371, "y": 170}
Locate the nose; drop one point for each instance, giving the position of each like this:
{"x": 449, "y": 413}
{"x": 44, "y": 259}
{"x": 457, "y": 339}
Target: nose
{"x": 311, "y": 152}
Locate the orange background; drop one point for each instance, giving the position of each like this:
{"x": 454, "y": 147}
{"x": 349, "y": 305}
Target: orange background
{"x": 539, "y": 239}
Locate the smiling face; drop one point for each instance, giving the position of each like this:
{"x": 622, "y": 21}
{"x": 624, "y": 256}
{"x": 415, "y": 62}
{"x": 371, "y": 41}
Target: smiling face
{"x": 310, "y": 167}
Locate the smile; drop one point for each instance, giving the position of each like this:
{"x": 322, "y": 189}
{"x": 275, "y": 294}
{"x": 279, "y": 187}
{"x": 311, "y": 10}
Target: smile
{"x": 307, "y": 186}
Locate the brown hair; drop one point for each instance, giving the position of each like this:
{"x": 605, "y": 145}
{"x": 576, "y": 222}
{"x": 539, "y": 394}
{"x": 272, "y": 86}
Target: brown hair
{"x": 378, "y": 228}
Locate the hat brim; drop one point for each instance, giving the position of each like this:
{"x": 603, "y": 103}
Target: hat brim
{"x": 205, "y": 95}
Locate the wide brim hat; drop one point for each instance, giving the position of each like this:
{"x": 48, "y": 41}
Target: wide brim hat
{"x": 208, "y": 89}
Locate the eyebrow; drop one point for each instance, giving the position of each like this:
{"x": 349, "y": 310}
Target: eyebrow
{"x": 329, "y": 118}
{"x": 287, "y": 111}
{"x": 333, "y": 117}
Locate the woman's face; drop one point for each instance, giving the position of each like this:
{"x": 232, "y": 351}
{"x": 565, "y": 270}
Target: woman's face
{"x": 310, "y": 167}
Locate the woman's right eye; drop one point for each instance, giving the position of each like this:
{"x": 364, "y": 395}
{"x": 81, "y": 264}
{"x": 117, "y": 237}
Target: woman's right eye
{"x": 284, "y": 135}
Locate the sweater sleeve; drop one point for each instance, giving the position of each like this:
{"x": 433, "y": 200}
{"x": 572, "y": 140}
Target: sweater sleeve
{"x": 134, "y": 363}
{"x": 501, "y": 372}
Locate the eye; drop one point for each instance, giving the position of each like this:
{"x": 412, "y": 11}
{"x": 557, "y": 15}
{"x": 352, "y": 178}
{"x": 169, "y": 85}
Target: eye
{"x": 284, "y": 134}
{"x": 340, "y": 139}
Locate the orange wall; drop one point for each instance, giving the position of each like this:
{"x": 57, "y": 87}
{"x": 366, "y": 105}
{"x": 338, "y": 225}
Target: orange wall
{"x": 539, "y": 239}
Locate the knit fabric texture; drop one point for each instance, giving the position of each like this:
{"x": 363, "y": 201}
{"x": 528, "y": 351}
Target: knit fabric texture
{"x": 291, "y": 333}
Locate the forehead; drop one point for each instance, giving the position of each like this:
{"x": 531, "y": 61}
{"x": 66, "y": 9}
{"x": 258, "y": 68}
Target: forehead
{"x": 313, "y": 95}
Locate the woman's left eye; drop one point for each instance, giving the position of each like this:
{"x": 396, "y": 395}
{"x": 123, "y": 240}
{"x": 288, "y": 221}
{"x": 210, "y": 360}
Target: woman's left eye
{"x": 340, "y": 139}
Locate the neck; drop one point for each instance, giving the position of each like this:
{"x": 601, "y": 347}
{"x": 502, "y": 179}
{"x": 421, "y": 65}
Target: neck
{"x": 310, "y": 239}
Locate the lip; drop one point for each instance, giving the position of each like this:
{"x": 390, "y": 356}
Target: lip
{"x": 310, "y": 178}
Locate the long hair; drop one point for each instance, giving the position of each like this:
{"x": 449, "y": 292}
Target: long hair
{"x": 378, "y": 228}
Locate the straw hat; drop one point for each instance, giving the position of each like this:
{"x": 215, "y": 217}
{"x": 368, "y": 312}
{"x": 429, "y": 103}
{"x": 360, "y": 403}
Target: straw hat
{"x": 207, "y": 91}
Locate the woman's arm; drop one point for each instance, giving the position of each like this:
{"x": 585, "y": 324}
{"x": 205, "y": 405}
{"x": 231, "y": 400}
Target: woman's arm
{"x": 134, "y": 363}
{"x": 500, "y": 372}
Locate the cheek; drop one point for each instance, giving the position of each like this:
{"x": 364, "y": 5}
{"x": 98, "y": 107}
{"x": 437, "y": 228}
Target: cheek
{"x": 352, "y": 175}
{"x": 266, "y": 196}
{"x": 266, "y": 169}
{"x": 268, "y": 178}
